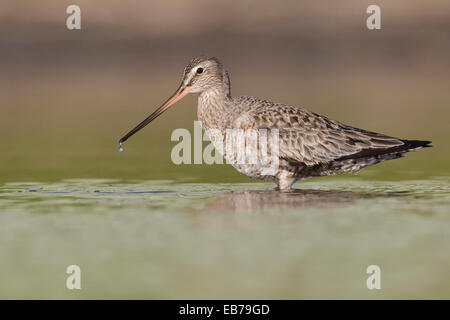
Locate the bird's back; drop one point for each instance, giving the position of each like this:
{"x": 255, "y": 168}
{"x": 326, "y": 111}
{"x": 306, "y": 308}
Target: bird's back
{"x": 308, "y": 138}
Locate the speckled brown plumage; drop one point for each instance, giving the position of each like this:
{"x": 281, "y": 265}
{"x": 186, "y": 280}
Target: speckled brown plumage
{"x": 310, "y": 144}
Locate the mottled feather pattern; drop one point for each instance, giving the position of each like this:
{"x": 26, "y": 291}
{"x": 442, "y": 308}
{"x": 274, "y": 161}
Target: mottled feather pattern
{"x": 310, "y": 144}
{"x": 273, "y": 141}
{"x": 307, "y": 137}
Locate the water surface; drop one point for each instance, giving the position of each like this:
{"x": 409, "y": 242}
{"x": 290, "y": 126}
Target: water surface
{"x": 160, "y": 239}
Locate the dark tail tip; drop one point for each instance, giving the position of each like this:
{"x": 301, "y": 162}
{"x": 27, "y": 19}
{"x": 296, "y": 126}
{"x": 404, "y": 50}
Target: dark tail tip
{"x": 413, "y": 144}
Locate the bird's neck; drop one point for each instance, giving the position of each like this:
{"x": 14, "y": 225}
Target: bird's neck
{"x": 213, "y": 107}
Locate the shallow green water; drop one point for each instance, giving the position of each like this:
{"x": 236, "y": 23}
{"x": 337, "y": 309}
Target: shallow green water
{"x": 160, "y": 239}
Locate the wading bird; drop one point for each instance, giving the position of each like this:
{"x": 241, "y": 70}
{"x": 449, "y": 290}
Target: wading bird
{"x": 309, "y": 144}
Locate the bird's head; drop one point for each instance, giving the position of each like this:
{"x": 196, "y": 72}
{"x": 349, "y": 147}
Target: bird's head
{"x": 205, "y": 73}
{"x": 202, "y": 74}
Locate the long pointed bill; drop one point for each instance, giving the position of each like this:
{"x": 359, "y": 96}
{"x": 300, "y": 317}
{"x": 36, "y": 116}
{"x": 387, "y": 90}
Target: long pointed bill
{"x": 178, "y": 95}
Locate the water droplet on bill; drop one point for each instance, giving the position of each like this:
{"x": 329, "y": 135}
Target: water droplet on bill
{"x": 120, "y": 147}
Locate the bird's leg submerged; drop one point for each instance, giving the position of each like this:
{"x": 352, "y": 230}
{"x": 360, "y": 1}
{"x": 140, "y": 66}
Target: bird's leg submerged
{"x": 285, "y": 181}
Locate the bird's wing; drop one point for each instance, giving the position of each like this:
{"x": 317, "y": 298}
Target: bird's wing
{"x": 309, "y": 138}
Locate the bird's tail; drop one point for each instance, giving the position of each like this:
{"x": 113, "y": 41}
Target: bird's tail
{"x": 410, "y": 145}
{"x": 373, "y": 156}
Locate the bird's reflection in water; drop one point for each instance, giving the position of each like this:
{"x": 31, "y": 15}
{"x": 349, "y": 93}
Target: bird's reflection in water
{"x": 258, "y": 201}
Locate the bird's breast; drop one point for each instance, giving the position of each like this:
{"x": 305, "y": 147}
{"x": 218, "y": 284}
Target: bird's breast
{"x": 212, "y": 112}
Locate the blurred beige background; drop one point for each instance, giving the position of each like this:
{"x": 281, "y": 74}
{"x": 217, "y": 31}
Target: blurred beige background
{"x": 66, "y": 97}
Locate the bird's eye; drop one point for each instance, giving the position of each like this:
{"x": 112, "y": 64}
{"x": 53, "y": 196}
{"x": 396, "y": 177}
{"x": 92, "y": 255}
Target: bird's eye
{"x": 199, "y": 70}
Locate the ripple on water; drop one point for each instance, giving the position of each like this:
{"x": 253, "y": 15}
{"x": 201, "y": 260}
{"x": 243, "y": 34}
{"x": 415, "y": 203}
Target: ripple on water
{"x": 175, "y": 238}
